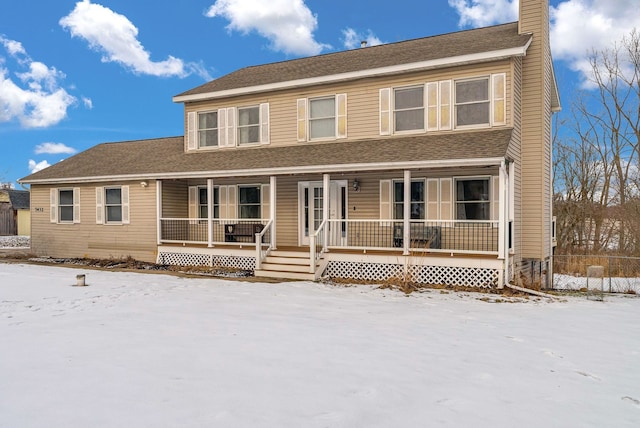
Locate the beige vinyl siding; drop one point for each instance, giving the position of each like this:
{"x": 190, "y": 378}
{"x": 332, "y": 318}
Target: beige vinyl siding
{"x": 514, "y": 153}
{"x": 88, "y": 239}
{"x": 536, "y": 133}
{"x": 362, "y": 100}
{"x": 175, "y": 199}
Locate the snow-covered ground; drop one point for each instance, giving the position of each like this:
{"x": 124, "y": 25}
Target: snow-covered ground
{"x": 153, "y": 350}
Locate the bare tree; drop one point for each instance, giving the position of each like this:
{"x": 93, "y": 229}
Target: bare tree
{"x": 597, "y": 170}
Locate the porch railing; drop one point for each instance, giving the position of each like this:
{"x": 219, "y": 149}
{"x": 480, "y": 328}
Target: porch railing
{"x": 317, "y": 245}
{"x": 445, "y": 236}
{"x": 223, "y": 231}
{"x": 261, "y": 251}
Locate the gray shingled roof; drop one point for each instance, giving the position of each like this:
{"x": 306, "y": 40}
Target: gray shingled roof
{"x": 165, "y": 157}
{"x": 450, "y": 45}
{"x": 19, "y": 199}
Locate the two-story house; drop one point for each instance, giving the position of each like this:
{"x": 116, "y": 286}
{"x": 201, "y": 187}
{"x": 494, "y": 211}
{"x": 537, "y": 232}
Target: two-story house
{"x": 427, "y": 160}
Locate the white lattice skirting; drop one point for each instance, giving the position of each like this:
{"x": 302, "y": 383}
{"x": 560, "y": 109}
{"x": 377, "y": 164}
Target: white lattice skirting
{"x": 441, "y": 275}
{"x": 195, "y": 259}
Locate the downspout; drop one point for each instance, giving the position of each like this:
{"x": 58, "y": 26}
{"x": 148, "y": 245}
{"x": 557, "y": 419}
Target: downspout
{"x": 503, "y": 218}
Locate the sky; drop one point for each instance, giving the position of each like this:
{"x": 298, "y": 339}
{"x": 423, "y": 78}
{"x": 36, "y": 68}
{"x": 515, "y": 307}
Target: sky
{"x": 74, "y": 74}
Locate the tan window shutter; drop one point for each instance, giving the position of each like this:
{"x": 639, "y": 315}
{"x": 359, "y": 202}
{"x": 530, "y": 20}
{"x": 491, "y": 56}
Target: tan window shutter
{"x": 76, "y": 205}
{"x": 385, "y": 111}
{"x": 231, "y": 127}
{"x": 495, "y": 198}
{"x": 385, "y": 200}
{"x": 264, "y": 123}
{"x": 222, "y": 202}
{"x": 499, "y": 94}
{"x": 222, "y": 127}
{"x": 99, "y": 205}
{"x": 192, "y": 130}
{"x": 432, "y": 106}
{"x": 53, "y": 205}
{"x": 341, "y": 116}
{"x": 124, "y": 193}
{"x": 302, "y": 119}
{"x": 445, "y": 105}
{"x": 446, "y": 203}
{"x": 433, "y": 198}
{"x": 193, "y": 203}
{"x": 264, "y": 197}
{"x": 232, "y": 209}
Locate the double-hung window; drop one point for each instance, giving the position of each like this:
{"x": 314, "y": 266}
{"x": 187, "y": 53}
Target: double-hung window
{"x": 248, "y": 125}
{"x": 417, "y": 192}
{"x": 322, "y": 118}
{"x": 113, "y": 204}
{"x": 472, "y": 104}
{"x": 408, "y": 109}
{"x": 208, "y": 129}
{"x": 65, "y": 205}
{"x": 473, "y": 201}
{"x": 249, "y": 201}
{"x": 203, "y": 202}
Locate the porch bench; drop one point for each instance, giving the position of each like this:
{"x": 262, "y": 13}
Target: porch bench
{"x": 242, "y": 232}
{"x": 420, "y": 236}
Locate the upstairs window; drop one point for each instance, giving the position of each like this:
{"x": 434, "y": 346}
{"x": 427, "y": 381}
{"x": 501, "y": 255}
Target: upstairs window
{"x": 472, "y": 104}
{"x": 472, "y": 199}
{"x": 322, "y": 118}
{"x": 248, "y": 125}
{"x": 208, "y": 129}
{"x": 408, "y": 109}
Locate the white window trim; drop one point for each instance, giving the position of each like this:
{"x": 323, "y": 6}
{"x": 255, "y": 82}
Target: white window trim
{"x": 258, "y": 125}
{"x": 393, "y": 199}
{"x": 304, "y": 118}
{"x": 424, "y": 110}
{"x": 197, "y": 130}
{"x": 454, "y": 191}
{"x": 454, "y": 104}
{"x": 335, "y": 117}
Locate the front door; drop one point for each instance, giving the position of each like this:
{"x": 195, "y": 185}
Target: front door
{"x": 310, "y": 203}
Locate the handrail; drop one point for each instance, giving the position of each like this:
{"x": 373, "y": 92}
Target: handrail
{"x": 314, "y": 256}
{"x": 259, "y": 253}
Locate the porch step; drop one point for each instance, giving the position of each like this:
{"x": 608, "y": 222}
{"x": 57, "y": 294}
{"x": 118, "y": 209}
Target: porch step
{"x": 286, "y": 264}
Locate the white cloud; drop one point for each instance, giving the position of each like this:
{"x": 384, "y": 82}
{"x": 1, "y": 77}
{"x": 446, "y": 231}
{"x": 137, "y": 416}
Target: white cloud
{"x": 353, "y": 39}
{"x": 481, "y": 13}
{"x": 577, "y": 26}
{"x": 53, "y": 149}
{"x": 116, "y": 37}
{"x": 287, "y": 24}
{"x": 87, "y": 102}
{"x": 38, "y": 101}
{"x": 35, "y": 167}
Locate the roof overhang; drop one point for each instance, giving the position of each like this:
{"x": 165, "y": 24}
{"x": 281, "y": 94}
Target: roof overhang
{"x": 311, "y": 169}
{"x": 374, "y": 72}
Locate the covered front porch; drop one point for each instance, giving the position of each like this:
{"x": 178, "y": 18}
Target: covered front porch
{"x": 366, "y": 225}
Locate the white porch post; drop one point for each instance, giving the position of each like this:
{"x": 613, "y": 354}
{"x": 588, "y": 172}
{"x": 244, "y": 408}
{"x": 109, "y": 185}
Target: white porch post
{"x": 406, "y": 207}
{"x": 159, "y": 210}
{"x": 326, "y": 189}
{"x": 272, "y": 209}
{"x": 503, "y": 221}
{"x": 210, "y": 202}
